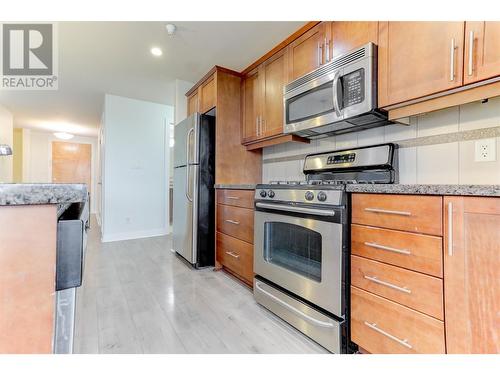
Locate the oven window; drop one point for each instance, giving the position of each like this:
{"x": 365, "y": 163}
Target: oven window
{"x": 312, "y": 103}
{"x": 293, "y": 247}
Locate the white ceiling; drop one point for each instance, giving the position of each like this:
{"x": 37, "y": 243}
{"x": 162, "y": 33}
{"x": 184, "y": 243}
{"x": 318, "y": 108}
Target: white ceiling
{"x": 114, "y": 57}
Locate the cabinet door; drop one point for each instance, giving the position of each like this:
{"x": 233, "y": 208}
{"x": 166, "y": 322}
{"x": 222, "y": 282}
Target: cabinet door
{"x": 207, "y": 99}
{"x": 418, "y": 59}
{"x": 482, "y": 51}
{"x": 274, "y": 78}
{"x": 472, "y": 274}
{"x": 348, "y": 35}
{"x": 251, "y": 97}
{"x": 306, "y": 53}
{"x": 193, "y": 103}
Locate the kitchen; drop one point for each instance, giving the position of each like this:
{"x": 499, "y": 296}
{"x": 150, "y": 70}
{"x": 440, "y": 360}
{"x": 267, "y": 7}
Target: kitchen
{"x": 340, "y": 194}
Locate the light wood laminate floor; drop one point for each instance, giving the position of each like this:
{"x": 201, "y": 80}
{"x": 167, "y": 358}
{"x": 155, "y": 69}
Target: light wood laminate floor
{"x": 139, "y": 297}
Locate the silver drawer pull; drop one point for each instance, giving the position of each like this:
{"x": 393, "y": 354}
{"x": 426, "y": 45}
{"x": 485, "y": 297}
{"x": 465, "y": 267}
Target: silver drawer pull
{"x": 376, "y": 280}
{"x": 232, "y": 254}
{"x": 375, "y": 328}
{"x": 310, "y": 319}
{"x": 230, "y": 197}
{"x": 393, "y": 249}
{"x": 381, "y": 211}
{"x": 232, "y": 222}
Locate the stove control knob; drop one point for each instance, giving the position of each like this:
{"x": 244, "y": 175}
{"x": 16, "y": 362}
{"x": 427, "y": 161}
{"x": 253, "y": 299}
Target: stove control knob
{"x": 322, "y": 196}
{"x": 309, "y": 195}
{"x": 270, "y": 194}
{"x": 263, "y": 193}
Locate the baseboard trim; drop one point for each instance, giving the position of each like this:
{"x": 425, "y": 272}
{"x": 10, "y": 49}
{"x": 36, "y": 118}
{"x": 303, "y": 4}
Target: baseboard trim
{"x": 134, "y": 235}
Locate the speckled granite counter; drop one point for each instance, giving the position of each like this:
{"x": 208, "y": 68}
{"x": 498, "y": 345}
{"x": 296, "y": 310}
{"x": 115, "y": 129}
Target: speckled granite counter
{"x": 25, "y": 194}
{"x": 236, "y": 186}
{"x": 475, "y": 190}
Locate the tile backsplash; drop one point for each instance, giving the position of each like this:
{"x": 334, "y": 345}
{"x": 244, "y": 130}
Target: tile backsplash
{"x": 441, "y": 163}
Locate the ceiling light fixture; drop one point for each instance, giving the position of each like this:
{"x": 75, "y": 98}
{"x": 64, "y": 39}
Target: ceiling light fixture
{"x": 156, "y": 51}
{"x": 62, "y": 135}
{"x": 5, "y": 150}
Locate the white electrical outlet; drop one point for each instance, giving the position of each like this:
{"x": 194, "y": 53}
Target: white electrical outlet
{"x": 485, "y": 150}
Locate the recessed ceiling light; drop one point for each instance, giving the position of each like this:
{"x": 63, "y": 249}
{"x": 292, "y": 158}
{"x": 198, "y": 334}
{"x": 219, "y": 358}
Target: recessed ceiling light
{"x": 62, "y": 135}
{"x": 156, "y": 51}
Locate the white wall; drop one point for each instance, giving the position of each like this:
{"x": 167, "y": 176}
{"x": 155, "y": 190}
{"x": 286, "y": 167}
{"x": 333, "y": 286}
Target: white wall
{"x": 446, "y": 162}
{"x": 39, "y": 156}
{"x": 135, "y": 170}
{"x": 6, "y": 137}
{"x": 181, "y": 88}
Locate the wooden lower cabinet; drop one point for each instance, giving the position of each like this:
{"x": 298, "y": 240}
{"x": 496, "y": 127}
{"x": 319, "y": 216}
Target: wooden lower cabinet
{"x": 234, "y": 237}
{"x": 236, "y": 255}
{"x": 402, "y": 303}
{"x": 472, "y": 274}
{"x": 379, "y": 325}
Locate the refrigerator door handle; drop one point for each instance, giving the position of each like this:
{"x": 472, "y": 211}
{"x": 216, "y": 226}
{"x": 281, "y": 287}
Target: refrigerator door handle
{"x": 187, "y": 184}
{"x": 188, "y": 151}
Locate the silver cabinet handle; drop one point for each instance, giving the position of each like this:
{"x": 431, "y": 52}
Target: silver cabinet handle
{"x": 296, "y": 311}
{"x": 320, "y": 54}
{"x": 327, "y": 50}
{"x": 452, "y": 59}
{"x": 450, "y": 229}
{"x": 257, "y": 125}
{"x": 302, "y": 210}
{"x": 232, "y": 222}
{"x": 336, "y": 106}
{"x": 471, "y": 51}
{"x": 232, "y": 254}
{"x": 231, "y": 197}
{"x": 391, "y": 212}
{"x": 403, "y": 342}
{"x": 376, "y": 280}
{"x": 388, "y": 248}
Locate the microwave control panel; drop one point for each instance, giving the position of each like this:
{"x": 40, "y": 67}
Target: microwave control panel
{"x": 354, "y": 87}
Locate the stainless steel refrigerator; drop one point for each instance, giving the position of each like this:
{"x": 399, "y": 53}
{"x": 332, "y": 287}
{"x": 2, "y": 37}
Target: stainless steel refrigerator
{"x": 194, "y": 194}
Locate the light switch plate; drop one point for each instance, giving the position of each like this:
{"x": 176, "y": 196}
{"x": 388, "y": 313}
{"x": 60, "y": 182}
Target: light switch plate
{"x": 485, "y": 149}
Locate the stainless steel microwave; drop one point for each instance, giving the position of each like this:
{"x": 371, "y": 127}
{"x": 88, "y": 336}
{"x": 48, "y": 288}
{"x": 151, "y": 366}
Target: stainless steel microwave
{"x": 338, "y": 97}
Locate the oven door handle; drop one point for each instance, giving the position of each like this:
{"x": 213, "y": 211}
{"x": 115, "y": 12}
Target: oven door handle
{"x": 300, "y": 210}
{"x": 296, "y": 311}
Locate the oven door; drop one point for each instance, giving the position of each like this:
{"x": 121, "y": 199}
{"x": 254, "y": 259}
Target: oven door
{"x": 301, "y": 255}
{"x": 316, "y": 103}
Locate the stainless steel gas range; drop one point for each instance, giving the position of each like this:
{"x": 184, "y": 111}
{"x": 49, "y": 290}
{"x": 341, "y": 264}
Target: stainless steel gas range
{"x": 301, "y": 238}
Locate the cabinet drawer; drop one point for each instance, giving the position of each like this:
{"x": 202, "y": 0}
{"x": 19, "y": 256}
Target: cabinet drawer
{"x": 236, "y": 222}
{"x": 414, "y": 213}
{"x": 412, "y": 289}
{"x": 236, "y": 255}
{"x": 418, "y": 252}
{"x": 381, "y": 326}
{"x": 239, "y": 198}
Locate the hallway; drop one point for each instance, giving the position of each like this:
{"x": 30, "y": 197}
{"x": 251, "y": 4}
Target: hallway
{"x": 139, "y": 297}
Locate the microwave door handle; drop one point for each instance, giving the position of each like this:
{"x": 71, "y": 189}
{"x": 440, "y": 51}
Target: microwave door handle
{"x": 336, "y": 106}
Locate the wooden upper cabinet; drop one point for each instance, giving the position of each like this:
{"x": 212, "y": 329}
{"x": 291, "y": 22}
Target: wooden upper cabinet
{"x": 306, "y": 53}
{"x": 207, "y": 95}
{"x": 348, "y": 35}
{"x": 472, "y": 274}
{"x": 193, "y": 103}
{"x": 250, "y": 107}
{"x": 482, "y": 51}
{"x": 274, "y": 78}
{"x": 418, "y": 59}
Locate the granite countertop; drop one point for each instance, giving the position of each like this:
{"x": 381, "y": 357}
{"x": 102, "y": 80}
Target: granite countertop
{"x": 236, "y": 186}
{"x": 474, "y": 190}
{"x": 26, "y": 194}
